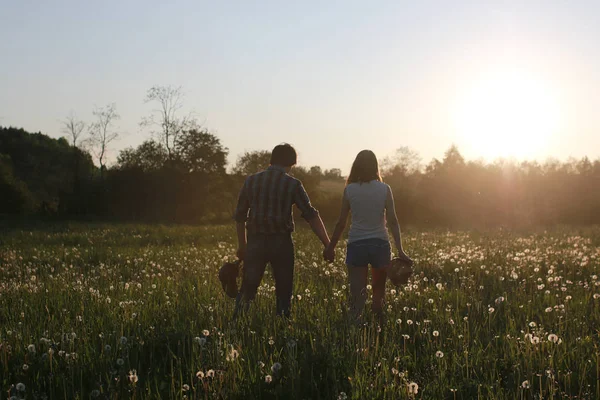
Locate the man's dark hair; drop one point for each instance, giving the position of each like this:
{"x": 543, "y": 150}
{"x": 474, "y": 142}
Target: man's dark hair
{"x": 284, "y": 155}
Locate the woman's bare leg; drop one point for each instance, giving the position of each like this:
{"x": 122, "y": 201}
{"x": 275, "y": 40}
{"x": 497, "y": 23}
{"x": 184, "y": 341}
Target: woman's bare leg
{"x": 379, "y": 276}
{"x": 358, "y": 290}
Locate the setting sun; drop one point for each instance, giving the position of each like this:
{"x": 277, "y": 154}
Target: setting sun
{"x": 507, "y": 114}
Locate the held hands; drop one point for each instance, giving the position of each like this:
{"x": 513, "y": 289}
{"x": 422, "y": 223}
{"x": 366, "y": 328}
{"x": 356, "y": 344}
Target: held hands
{"x": 329, "y": 254}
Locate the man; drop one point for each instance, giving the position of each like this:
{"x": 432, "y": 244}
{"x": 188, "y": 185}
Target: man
{"x": 264, "y": 211}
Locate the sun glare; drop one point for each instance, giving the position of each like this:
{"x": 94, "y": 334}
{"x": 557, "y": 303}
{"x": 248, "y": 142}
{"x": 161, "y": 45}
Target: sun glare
{"x": 507, "y": 114}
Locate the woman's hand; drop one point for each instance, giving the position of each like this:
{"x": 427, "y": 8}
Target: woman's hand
{"x": 403, "y": 256}
{"x": 329, "y": 254}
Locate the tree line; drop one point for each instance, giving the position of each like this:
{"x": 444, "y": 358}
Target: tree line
{"x": 180, "y": 175}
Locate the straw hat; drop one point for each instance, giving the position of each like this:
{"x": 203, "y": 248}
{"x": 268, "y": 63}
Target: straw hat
{"x": 228, "y": 276}
{"x": 400, "y": 270}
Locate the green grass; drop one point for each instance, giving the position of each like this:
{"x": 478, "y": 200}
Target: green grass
{"x": 100, "y": 302}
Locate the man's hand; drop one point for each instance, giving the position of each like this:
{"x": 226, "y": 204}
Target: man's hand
{"x": 329, "y": 254}
{"x": 241, "y": 253}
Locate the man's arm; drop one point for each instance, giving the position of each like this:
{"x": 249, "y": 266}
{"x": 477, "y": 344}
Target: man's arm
{"x": 310, "y": 214}
{"x": 317, "y": 226}
{"x": 241, "y": 216}
{"x": 241, "y": 235}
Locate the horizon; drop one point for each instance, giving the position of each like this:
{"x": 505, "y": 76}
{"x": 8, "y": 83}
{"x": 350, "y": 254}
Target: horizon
{"x": 510, "y": 81}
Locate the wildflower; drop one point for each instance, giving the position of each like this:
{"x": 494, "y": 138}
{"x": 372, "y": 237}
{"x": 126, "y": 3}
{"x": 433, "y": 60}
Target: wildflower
{"x": 185, "y": 387}
{"x": 552, "y": 338}
{"x": 107, "y": 348}
{"x": 133, "y": 378}
{"x": 491, "y": 310}
{"x": 31, "y": 348}
{"x": 268, "y": 379}
{"x": 120, "y": 362}
{"x": 596, "y": 296}
{"x": 409, "y": 321}
{"x": 532, "y": 324}
{"x": 430, "y": 301}
{"x": 525, "y": 385}
{"x": 123, "y": 340}
{"x": 206, "y": 332}
{"x": 436, "y": 333}
{"x": 233, "y": 355}
{"x": 393, "y": 292}
{"x": 439, "y": 354}
{"x": 271, "y": 342}
{"x": 399, "y": 321}
{"x": 548, "y": 309}
{"x": 210, "y": 373}
{"x": 413, "y": 388}
{"x": 21, "y": 387}
{"x": 499, "y": 300}
{"x": 535, "y": 340}
{"x": 200, "y": 375}
{"x": 394, "y": 371}
{"x": 342, "y": 396}
{"x": 439, "y": 286}
{"x": 276, "y": 367}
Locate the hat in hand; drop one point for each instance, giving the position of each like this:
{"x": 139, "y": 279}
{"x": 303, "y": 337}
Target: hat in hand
{"x": 400, "y": 270}
{"x": 228, "y": 276}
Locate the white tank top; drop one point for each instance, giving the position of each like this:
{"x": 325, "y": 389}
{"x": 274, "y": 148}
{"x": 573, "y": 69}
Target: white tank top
{"x": 367, "y": 204}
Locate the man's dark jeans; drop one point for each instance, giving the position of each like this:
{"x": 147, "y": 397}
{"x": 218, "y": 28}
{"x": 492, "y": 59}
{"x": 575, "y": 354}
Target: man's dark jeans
{"x": 278, "y": 250}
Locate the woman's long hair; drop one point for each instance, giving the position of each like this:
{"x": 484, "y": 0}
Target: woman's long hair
{"x": 364, "y": 169}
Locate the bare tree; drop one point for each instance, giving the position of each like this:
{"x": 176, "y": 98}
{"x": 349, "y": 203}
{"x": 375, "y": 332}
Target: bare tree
{"x": 404, "y": 159}
{"x": 102, "y": 133}
{"x": 73, "y": 127}
{"x": 165, "y": 121}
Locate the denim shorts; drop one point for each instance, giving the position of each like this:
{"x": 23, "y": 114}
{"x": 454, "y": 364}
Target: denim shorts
{"x": 376, "y": 252}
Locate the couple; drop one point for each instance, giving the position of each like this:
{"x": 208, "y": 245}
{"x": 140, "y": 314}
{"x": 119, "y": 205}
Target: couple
{"x": 264, "y": 226}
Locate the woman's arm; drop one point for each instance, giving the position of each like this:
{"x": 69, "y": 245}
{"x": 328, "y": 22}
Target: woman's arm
{"x": 392, "y": 220}
{"x": 339, "y": 229}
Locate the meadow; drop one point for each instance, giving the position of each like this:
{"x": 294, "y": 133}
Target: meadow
{"x": 135, "y": 311}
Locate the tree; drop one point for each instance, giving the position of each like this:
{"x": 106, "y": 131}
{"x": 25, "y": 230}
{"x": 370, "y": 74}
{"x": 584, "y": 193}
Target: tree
{"x": 201, "y": 151}
{"x": 16, "y": 197}
{"x": 404, "y": 160}
{"x": 167, "y": 125}
{"x": 148, "y": 156}
{"x": 333, "y": 174}
{"x": 102, "y": 133}
{"x": 252, "y": 162}
{"x": 73, "y": 127}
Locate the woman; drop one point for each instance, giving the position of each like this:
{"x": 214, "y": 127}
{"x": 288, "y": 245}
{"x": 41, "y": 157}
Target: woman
{"x": 371, "y": 203}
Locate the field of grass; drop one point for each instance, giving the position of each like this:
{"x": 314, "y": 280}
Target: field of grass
{"x": 124, "y": 311}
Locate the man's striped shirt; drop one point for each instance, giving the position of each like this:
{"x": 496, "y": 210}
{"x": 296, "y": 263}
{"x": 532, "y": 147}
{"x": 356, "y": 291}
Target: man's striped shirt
{"x": 266, "y": 200}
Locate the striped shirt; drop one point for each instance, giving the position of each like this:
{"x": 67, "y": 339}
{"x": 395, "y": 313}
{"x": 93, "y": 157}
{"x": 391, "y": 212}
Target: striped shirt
{"x": 266, "y": 199}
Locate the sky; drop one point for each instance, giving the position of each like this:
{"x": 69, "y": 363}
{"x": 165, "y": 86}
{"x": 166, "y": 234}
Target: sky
{"x": 512, "y": 79}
